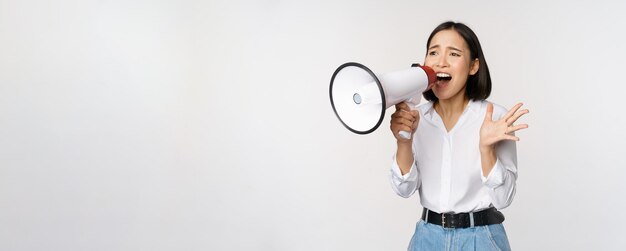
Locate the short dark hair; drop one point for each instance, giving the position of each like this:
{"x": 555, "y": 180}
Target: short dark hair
{"x": 478, "y": 85}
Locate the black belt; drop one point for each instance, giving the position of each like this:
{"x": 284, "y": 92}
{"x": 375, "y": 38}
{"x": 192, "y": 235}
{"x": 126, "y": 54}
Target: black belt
{"x": 464, "y": 220}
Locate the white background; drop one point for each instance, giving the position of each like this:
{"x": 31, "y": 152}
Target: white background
{"x": 206, "y": 125}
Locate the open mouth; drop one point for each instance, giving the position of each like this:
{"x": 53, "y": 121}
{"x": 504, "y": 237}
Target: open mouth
{"x": 443, "y": 77}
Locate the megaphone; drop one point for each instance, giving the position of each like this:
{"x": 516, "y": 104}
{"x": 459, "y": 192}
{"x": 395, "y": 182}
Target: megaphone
{"x": 359, "y": 98}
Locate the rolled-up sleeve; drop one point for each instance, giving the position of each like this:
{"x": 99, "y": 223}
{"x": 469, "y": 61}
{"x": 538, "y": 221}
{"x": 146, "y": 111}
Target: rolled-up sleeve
{"x": 502, "y": 178}
{"x": 404, "y": 185}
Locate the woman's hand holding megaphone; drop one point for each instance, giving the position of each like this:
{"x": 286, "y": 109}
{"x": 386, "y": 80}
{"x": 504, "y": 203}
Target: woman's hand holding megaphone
{"x": 404, "y": 120}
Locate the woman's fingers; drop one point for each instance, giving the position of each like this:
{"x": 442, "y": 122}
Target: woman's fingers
{"x": 517, "y": 115}
{"x": 402, "y": 115}
{"x": 405, "y": 128}
{"x": 489, "y": 114}
{"x": 512, "y": 111}
{"x": 492, "y": 132}
{"x": 516, "y": 128}
{"x": 397, "y": 127}
{"x": 404, "y": 119}
{"x": 511, "y": 137}
{"x": 403, "y": 111}
{"x": 402, "y": 106}
{"x": 415, "y": 123}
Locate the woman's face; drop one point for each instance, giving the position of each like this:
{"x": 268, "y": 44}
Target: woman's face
{"x": 449, "y": 55}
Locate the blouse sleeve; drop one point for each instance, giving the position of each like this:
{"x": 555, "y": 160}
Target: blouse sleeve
{"x": 404, "y": 185}
{"x": 502, "y": 178}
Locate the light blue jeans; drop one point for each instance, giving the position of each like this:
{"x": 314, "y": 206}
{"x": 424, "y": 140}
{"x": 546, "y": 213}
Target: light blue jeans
{"x": 432, "y": 237}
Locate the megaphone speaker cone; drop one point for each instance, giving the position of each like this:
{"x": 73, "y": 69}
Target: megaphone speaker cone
{"x": 357, "y": 98}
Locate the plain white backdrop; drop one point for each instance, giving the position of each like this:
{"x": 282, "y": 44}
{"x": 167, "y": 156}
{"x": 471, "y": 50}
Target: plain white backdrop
{"x": 206, "y": 125}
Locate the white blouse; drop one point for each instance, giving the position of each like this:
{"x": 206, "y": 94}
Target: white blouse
{"x": 447, "y": 169}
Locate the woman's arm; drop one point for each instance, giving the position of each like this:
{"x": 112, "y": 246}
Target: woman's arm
{"x": 492, "y": 132}
{"x": 499, "y": 154}
{"x": 404, "y": 179}
{"x": 502, "y": 176}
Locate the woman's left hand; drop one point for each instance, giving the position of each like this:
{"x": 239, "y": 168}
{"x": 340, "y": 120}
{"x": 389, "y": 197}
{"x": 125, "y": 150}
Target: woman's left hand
{"x": 492, "y": 132}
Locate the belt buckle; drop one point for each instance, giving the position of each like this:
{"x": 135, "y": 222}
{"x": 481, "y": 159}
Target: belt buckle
{"x": 447, "y": 224}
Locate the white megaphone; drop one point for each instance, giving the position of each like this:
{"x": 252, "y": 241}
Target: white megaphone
{"x": 360, "y": 98}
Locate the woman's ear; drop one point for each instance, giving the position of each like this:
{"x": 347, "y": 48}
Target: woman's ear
{"x": 474, "y": 65}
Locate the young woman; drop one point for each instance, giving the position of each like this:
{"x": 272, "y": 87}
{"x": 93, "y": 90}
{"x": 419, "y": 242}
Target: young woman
{"x": 462, "y": 156}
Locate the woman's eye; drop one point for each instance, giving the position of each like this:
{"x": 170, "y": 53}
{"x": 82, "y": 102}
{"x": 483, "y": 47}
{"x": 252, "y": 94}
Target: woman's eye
{"x": 432, "y": 53}
{"x": 454, "y": 54}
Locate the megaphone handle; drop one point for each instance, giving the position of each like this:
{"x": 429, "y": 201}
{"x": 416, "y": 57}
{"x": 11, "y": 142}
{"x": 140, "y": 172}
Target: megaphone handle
{"x": 405, "y": 134}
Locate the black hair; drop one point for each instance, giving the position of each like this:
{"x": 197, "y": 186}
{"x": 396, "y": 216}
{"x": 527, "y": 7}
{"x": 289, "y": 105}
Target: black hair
{"x": 478, "y": 85}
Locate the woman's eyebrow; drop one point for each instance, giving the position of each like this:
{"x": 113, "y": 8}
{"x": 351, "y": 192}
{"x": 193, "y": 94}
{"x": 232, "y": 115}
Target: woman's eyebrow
{"x": 449, "y": 47}
{"x": 454, "y": 49}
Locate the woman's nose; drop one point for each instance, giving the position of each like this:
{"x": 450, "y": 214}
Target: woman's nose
{"x": 442, "y": 61}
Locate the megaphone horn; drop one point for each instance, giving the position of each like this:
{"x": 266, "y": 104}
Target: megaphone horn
{"x": 359, "y": 98}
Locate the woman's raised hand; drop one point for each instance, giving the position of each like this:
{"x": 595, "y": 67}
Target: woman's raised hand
{"x": 404, "y": 119}
{"x": 492, "y": 132}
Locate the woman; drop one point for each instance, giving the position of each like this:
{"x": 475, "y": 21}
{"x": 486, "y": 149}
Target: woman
{"x": 462, "y": 156}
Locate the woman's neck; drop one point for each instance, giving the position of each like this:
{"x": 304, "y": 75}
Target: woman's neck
{"x": 452, "y": 107}
{"x": 450, "y": 110}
